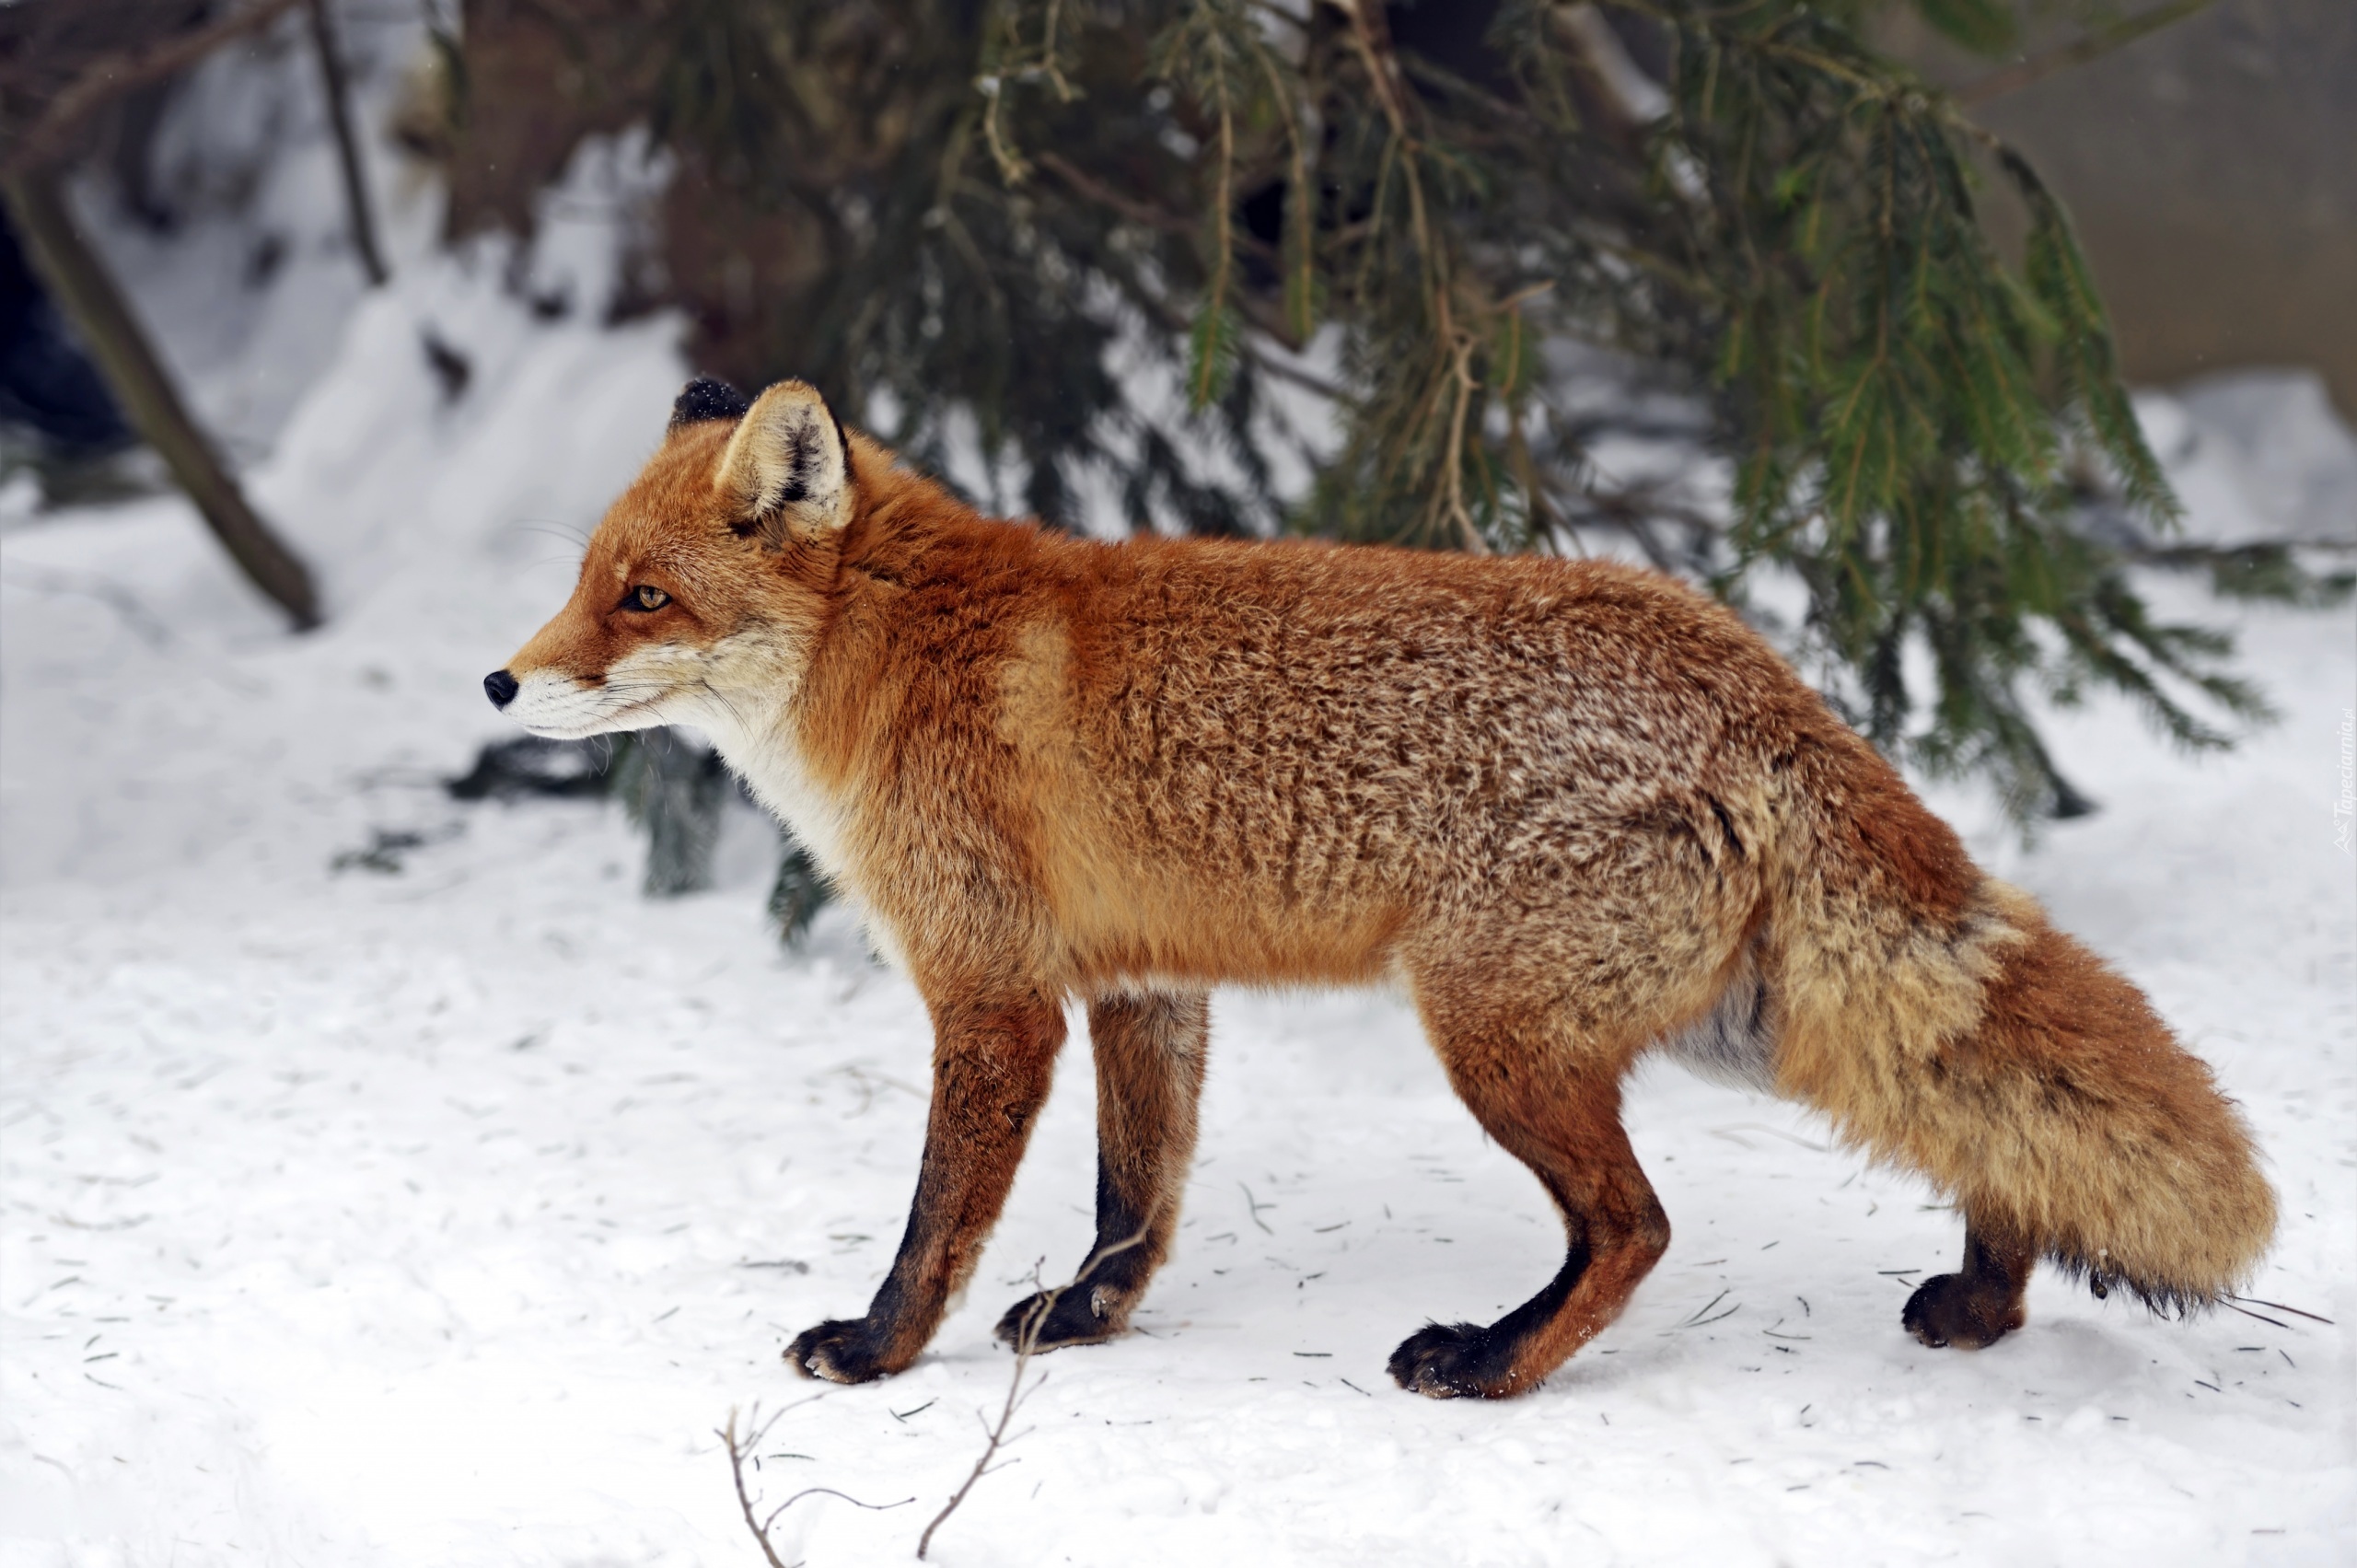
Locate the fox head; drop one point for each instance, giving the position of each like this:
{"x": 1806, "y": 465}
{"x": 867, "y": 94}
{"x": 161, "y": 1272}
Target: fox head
{"x": 706, "y": 585}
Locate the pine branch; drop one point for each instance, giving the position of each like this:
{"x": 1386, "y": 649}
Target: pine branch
{"x": 2079, "y": 51}
{"x": 1790, "y": 238}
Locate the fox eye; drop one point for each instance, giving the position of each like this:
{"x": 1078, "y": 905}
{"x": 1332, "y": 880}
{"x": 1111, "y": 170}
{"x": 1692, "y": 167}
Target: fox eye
{"x": 646, "y": 597}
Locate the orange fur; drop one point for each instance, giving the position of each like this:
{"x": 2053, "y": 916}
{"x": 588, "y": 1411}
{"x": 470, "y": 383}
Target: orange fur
{"x": 1580, "y": 810}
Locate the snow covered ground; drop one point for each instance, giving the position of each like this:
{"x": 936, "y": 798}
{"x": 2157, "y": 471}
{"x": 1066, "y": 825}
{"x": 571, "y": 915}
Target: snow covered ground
{"x": 438, "y": 1217}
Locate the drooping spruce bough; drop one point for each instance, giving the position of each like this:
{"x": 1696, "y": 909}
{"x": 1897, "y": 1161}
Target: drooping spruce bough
{"x": 955, "y": 212}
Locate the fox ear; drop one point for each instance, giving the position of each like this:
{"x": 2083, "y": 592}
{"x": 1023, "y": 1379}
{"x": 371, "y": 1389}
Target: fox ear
{"x": 787, "y": 470}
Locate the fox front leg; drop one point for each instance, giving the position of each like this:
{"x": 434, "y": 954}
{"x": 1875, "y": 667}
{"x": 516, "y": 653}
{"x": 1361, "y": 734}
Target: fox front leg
{"x": 1149, "y": 1050}
{"x": 991, "y": 1068}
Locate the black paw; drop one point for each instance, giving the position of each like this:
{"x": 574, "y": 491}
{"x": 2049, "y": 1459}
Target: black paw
{"x": 1450, "y": 1361}
{"x": 844, "y": 1351}
{"x": 1953, "y": 1310}
{"x": 1084, "y": 1315}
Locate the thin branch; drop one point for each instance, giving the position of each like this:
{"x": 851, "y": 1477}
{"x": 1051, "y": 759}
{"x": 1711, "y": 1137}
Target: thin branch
{"x": 2080, "y": 52}
{"x": 2294, "y": 1311}
{"x": 1137, "y": 212}
{"x": 2262, "y": 1317}
{"x": 739, "y": 1448}
{"x": 1027, "y": 1345}
{"x": 1214, "y": 328}
{"x": 1383, "y": 74}
{"x": 1636, "y": 99}
{"x": 1104, "y": 195}
{"x": 1065, "y": 91}
{"x": 109, "y": 76}
{"x": 1461, "y": 372}
{"x": 1300, "y": 285}
{"x": 134, "y": 372}
{"x": 347, "y": 147}
{"x": 1012, "y": 169}
{"x": 1307, "y": 380}
{"x": 744, "y": 1499}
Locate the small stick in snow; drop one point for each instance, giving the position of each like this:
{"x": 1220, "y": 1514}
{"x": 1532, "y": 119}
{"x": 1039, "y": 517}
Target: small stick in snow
{"x": 1733, "y": 1135}
{"x": 2260, "y": 1316}
{"x": 1027, "y": 1344}
{"x": 1697, "y": 1319}
{"x": 737, "y": 1451}
{"x": 2260, "y": 1301}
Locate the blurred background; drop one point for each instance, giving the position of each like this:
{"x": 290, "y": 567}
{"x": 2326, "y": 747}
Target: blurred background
{"x": 2200, "y": 166}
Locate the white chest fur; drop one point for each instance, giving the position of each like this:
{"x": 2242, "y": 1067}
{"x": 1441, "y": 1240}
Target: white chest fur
{"x": 819, "y": 820}
{"x": 771, "y": 764}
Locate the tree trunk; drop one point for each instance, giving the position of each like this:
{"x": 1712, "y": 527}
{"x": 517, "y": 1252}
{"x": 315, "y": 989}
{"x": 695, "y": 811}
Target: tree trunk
{"x": 347, "y": 148}
{"x": 80, "y": 282}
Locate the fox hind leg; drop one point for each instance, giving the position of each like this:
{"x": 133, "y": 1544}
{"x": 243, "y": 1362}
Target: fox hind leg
{"x": 1559, "y": 1112}
{"x": 1976, "y": 1308}
{"x": 1149, "y": 1052}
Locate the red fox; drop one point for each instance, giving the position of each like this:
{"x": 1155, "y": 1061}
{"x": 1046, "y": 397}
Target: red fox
{"x": 1579, "y": 811}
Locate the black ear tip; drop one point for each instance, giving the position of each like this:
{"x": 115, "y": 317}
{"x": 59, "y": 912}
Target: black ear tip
{"x": 706, "y": 398}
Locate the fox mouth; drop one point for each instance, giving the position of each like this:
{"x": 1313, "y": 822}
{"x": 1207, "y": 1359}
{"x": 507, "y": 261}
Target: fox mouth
{"x": 558, "y": 707}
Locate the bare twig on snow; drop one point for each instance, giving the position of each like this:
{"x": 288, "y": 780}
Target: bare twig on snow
{"x": 1027, "y": 1345}
{"x": 739, "y": 1448}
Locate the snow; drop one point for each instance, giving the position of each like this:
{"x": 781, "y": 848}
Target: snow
{"x": 2256, "y": 455}
{"x": 439, "y": 1217}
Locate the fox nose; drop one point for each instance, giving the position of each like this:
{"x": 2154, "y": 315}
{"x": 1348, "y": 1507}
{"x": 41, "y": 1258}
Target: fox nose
{"x": 500, "y": 687}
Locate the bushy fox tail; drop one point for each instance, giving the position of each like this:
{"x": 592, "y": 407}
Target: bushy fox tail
{"x": 1945, "y": 1025}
